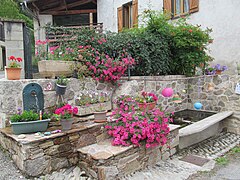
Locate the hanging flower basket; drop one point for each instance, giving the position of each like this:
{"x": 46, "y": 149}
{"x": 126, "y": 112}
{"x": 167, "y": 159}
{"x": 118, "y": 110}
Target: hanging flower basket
{"x": 60, "y": 89}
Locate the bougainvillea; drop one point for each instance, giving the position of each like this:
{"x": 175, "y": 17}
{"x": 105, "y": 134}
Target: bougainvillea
{"x": 132, "y": 126}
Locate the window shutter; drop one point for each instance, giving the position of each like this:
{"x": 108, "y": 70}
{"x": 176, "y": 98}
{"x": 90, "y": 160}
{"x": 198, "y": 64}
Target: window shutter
{"x": 193, "y": 6}
{"x": 135, "y": 13}
{"x": 167, "y": 7}
{"x": 120, "y": 19}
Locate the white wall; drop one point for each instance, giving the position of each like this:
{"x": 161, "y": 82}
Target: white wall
{"x": 107, "y": 11}
{"x": 221, "y": 15}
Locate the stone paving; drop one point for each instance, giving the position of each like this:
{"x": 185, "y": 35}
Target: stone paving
{"x": 176, "y": 169}
{"x": 213, "y": 147}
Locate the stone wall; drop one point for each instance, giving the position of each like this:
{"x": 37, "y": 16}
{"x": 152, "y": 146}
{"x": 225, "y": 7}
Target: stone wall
{"x": 11, "y": 93}
{"x": 216, "y": 93}
{"x": 35, "y": 156}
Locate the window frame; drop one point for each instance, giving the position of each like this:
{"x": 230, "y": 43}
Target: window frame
{"x": 182, "y": 13}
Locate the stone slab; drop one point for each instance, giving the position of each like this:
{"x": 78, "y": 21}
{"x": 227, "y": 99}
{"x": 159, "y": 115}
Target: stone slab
{"x": 204, "y": 124}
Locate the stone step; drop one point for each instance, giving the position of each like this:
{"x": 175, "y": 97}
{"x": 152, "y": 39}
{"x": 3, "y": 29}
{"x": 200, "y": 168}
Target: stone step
{"x": 104, "y": 162}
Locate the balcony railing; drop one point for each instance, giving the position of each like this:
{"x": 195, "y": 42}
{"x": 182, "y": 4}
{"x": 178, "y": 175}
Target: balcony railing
{"x": 2, "y": 36}
{"x": 58, "y": 34}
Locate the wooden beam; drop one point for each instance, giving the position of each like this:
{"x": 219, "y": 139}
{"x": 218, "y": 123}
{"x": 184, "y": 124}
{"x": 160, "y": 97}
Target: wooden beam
{"x": 68, "y": 6}
{"x": 94, "y": 1}
{"x": 83, "y": 11}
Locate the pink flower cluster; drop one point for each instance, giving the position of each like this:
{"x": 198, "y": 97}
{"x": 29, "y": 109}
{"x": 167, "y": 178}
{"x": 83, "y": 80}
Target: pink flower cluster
{"x": 133, "y": 126}
{"x": 67, "y": 111}
{"x": 106, "y": 68}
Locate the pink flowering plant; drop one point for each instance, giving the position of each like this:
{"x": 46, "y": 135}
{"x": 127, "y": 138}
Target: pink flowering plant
{"x": 104, "y": 67}
{"x": 65, "y": 112}
{"x": 131, "y": 126}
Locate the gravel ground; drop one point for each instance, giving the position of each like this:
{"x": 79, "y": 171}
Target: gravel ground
{"x": 170, "y": 170}
{"x": 8, "y": 170}
{"x": 228, "y": 171}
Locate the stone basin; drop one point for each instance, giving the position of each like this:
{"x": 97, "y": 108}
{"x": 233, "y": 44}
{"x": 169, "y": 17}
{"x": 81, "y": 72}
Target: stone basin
{"x": 202, "y": 129}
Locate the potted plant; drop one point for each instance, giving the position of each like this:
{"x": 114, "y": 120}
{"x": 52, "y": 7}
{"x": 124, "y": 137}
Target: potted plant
{"x": 100, "y": 114}
{"x": 146, "y": 101}
{"x": 65, "y": 115}
{"x": 29, "y": 122}
{"x": 89, "y": 101}
{"x": 219, "y": 69}
{"x": 53, "y": 61}
{"x": 61, "y": 85}
{"x": 14, "y": 69}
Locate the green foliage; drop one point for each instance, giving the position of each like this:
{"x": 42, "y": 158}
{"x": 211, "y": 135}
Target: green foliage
{"x": 26, "y": 116}
{"x": 222, "y": 160}
{"x": 9, "y": 9}
{"x": 162, "y": 47}
{"x": 235, "y": 150}
{"x": 62, "y": 80}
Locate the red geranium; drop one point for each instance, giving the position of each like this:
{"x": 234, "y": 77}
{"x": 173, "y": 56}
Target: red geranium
{"x": 14, "y": 63}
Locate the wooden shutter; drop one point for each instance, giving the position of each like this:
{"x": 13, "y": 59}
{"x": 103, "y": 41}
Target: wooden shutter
{"x": 120, "y": 19}
{"x": 135, "y": 13}
{"x": 167, "y": 7}
{"x": 193, "y": 6}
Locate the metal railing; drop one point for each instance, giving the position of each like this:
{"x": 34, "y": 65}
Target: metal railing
{"x": 2, "y": 34}
{"x": 56, "y": 34}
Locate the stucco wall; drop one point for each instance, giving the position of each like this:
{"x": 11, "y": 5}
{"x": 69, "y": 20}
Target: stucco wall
{"x": 39, "y": 31}
{"x": 220, "y": 15}
{"x": 13, "y": 42}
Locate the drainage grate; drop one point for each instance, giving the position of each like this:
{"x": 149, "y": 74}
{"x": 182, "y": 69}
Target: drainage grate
{"x": 199, "y": 161}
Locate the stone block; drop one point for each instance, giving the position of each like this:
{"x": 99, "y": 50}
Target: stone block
{"x": 86, "y": 139}
{"x": 73, "y": 137}
{"x": 46, "y": 144}
{"x": 165, "y": 156}
{"x": 107, "y": 173}
{"x": 61, "y": 140}
{"x": 37, "y": 166}
{"x": 123, "y": 161}
{"x": 53, "y": 150}
{"x": 59, "y": 163}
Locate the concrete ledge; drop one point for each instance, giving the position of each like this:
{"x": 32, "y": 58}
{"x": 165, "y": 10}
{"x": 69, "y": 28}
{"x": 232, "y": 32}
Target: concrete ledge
{"x": 204, "y": 124}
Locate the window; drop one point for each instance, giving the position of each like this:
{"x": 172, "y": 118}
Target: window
{"x": 128, "y": 15}
{"x": 180, "y": 7}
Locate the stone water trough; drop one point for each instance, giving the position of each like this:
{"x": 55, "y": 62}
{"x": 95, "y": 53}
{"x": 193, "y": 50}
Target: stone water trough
{"x": 199, "y": 125}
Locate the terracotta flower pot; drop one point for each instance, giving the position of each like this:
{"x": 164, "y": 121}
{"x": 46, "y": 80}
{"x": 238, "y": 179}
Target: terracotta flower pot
{"x": 13, "y": 73}
{"x": 218, "y": 72}
{"x": 148, "y": 106}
